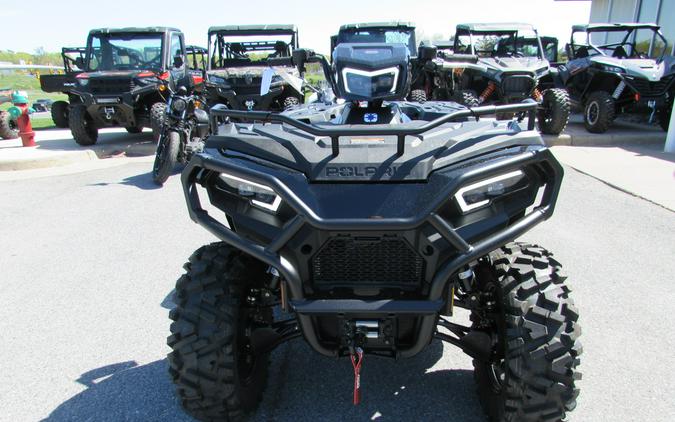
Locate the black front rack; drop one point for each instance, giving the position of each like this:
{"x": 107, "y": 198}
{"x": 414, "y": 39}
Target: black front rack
{"x": 220, "y": 111}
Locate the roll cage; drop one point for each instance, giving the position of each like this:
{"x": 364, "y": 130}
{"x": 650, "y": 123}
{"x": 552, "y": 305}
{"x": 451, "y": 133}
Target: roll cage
{"x": 497, "y": 30}
{"x": 223, "y": 53}
{"x": 577, "y": 51}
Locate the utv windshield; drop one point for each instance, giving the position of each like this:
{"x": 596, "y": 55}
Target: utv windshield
{"x": 620, "y": 42}
{"x": 239, "y": 51}
{"x": 380, "y": 35}
{"x": 124, "y": 52}
{"x": 499, "y": 44}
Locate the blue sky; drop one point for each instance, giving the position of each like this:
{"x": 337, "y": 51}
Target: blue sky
{"x": 53, "y": 24}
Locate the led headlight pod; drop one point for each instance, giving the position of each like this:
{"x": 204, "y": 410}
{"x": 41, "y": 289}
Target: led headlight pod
{"x": 259, "y": 195}
{"x": 614, "y": 69}
{"x": 481, "y": 193}
{"x": 364, "y": 83}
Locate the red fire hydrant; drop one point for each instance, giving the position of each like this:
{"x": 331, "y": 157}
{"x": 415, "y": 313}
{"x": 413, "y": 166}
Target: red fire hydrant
{"x": 21, "y": 113}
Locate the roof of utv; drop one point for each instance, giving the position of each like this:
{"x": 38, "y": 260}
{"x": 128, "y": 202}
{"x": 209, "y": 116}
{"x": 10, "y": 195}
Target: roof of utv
{"x": 613, "y": 27}
{"x": 391, "y": 24}
{"x": 495, "y": 27}
{"x": 151, "y": 29}
{"x": 254, "y": 29}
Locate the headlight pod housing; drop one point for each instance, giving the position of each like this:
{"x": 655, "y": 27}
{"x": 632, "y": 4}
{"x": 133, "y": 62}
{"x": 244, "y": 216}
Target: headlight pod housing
{"x": 222, "y": 82}
{"x": 481, "y": 194}
{"x": 613, "y": 69}
{"x": 370, "y": 84}
{"x": 258, "y": 195}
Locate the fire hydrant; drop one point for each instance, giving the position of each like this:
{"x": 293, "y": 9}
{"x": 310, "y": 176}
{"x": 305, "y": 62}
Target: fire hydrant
{"x": 21, "y": 113}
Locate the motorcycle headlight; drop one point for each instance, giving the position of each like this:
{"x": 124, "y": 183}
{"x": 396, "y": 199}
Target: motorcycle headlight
{"x": 614, "y": 69}
{"x": 480, "y": 194}
{"x": 178, "y": 104}
{"x": 370, "y": 84}
{"x": 258, "y": 195}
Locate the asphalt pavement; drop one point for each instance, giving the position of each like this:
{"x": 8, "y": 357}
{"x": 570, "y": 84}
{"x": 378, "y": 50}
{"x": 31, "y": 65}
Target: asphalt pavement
{"x": 89, "y": 261}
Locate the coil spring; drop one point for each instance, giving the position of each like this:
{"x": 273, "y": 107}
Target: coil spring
{"x": 487, "y": 92}
{"x": 537, "y": 95}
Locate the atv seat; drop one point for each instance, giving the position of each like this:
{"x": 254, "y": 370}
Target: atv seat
{"x": 620, "y": 53}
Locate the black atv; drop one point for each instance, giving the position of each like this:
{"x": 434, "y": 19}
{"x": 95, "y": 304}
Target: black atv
{"x": 243, "y": 72}
{"x": 126, "y": 73}
{"x": 369, "y": 227}
{"x": 611, "y": 71}
{"x": 496, "y": 63}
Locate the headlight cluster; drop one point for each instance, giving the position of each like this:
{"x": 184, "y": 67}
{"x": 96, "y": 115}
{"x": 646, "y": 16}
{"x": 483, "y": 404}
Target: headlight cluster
{"x": 480, "y": 194}
{"x": 615, "y": 69}
{"x": 370, "y": 84}
{"x": 178, "y": 104}
{"x": 258, "y": 195}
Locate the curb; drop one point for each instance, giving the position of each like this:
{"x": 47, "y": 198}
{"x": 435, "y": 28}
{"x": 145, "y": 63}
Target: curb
{"x": 51, "y": 160}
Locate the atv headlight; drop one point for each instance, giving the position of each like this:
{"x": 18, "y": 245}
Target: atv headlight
{"x": 218, "y": 80}
{"x": 614, "y": 69}
{"x": 370, "y": 84}
{"x": 482, "y": 193}
{"x": 178, "y": 104}
{"x": 259, "y": 195}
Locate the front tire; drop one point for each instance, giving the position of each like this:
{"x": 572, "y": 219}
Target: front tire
{"x": 82, "y": 126}
{"x": 554, "y": 112}
{"x": 166, "y": 156}
{"x": 60, "y": 114}
{"x": 418, "y": 96}
{"x": 8, "y": 127}
{"x": 532, "y": 372}
{"x": 157, "y": 112}
{"x": 599, "y": 112}
{"x": 216, "y": 374}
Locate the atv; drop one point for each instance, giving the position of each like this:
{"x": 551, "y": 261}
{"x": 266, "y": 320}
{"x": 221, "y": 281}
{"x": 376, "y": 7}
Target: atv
{"x": 496, "y": 64}
{"x": 126, "y": 73}
{"x": 610, "y": 72}
{"x": 242, "y": 73}
{"x": 362, "y": 227}
{"x": 9, "y": 129}
{"x": 73, "y": 64}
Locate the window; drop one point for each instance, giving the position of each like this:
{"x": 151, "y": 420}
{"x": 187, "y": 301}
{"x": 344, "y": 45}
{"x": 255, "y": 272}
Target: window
{"x": 176, "y": 47}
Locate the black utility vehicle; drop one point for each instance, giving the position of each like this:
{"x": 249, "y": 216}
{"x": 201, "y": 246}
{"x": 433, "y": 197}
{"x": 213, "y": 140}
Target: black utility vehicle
{"x": 370, "y": 227}
{"x": 497, "y": 63}
{"x": 73, "y": 64}
{"x": 240, "y": 56}
{"x": 610, "y": 71}
{"x": 126, "y": 73}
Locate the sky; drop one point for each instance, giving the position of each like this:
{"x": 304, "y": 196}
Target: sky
{"x": 65, "y": 23}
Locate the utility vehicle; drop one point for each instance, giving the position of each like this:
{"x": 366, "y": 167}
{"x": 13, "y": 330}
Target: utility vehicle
{"x": 124, "y": 80}
{"x": 369, "y": 226}
{"x": 239, "y": 58}
{"x": 9, "y": 129}
{"x": 496, "y": 63}
{"x": 610, "y": 71}
{"x": 73, "y": 64}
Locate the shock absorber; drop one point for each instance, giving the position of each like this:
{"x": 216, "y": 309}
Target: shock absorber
{"x": 536, "y": 94}
{"x": 487, "y": 92}
{"x": 619, "y": 90}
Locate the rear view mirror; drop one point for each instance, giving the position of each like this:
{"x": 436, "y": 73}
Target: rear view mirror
{"x": 300, "y": 57}
{"x": 79, "y": 62}
{"x": 178, "y": 62}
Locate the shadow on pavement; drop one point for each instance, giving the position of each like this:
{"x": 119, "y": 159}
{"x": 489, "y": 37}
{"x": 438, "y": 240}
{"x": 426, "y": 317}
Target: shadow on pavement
{"x": 303, "y": 386}
{"x": 109, "y": 143}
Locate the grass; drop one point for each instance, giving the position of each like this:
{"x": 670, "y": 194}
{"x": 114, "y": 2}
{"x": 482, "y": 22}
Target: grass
{"x": 28, "y": 83}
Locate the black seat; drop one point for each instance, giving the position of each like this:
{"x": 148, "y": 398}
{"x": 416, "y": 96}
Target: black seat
{"x": 620, "y": 53}
{"x": 582, "y": 52}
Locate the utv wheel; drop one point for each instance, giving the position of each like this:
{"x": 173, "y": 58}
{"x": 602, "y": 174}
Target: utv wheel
{"x": 468, "y": 98}
{"x": 82, "y": 126}
{"x": 60, "y": 114}
{"x": 418, "y": 96}
{"x": 134, "y": 129}
{"x": 664, "y": 117}
{"x": 157, "y": 119}
{"x": 599, "y": 112}
{"x": 217, "y": 376}
{"x": 554, "y": 112}
{"x": 532, "y": 372}
{"x": 290, "y": 102}
{"x": 8, "y": 127}
{"x": 166, "y": 157}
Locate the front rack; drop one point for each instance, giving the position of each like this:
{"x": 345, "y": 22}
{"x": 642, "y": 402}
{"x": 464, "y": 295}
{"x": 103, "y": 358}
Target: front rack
{"x": 528, "y": 106}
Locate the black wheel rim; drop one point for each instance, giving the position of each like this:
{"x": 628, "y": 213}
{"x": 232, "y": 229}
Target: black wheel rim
{"x": 592, "y": 113}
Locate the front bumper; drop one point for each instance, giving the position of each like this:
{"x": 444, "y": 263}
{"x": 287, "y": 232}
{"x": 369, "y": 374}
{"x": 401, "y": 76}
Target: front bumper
{"x": 117, "y": 109}
{"x": 274, "y": 250}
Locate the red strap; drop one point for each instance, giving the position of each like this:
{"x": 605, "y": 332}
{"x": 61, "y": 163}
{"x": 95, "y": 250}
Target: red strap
{"x": 357, "y": 360}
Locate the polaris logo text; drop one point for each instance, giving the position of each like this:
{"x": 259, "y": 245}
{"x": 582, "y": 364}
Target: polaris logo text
{"x": 351, "y": 171}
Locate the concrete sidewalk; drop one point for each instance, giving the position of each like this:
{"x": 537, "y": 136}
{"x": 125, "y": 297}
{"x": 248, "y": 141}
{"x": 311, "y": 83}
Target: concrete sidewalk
{"x": 56, "y": 147}
{"x": 641, "y": 170}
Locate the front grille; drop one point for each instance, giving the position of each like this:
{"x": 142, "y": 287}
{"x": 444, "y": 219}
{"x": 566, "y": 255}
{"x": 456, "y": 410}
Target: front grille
{"x": 367, "y": 261}
{"x": 104, "y": 86}
{"x": 246, "y": 86}
{"x": 518, "y": 85}
{"x": 650, "y": 89}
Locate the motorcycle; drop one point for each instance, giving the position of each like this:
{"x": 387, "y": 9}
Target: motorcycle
{"x": 185, "y": 126}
